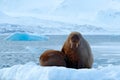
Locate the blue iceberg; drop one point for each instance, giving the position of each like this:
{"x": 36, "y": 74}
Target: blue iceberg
{"x": 26, "y": 37}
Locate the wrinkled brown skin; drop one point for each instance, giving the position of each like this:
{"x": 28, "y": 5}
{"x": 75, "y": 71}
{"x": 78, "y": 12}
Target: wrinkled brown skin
{"x": 77, "y": 51}
{"x": 52, "y": 58}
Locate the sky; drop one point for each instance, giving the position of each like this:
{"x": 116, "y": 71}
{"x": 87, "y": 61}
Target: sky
{"x": 73, "y": 11}
{"x": 83, "y": 5}
{"x": 47, "y": 6}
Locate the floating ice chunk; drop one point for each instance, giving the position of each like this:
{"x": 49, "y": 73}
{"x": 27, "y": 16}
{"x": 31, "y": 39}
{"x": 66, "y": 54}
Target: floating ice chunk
{"x": 31, "y": 71}
{"x": 26, "y": 37}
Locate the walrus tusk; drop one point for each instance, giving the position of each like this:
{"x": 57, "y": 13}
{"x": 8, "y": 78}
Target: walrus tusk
{"x": 77, "y": 45}
{"x": 71, "y": 44}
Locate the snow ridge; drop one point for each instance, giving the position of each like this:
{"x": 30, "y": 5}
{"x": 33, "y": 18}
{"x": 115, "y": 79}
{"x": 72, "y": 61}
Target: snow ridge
{"x": 51, "y": 28}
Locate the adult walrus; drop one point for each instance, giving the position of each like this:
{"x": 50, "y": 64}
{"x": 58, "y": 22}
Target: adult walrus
{"x": 52, "y": 58}
{"x": 77, "y": 51}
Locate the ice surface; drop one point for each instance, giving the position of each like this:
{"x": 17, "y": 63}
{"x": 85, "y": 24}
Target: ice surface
{"x": 31, "y": 71}
{"x": 25, "y": 37}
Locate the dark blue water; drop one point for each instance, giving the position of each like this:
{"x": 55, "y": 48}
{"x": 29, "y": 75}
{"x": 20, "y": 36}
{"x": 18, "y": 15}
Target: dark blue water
{"x": 92, "y": 39}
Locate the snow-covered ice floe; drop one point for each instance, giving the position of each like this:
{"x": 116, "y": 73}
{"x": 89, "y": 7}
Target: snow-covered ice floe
{"x": 26, "y": 37}
{"x": 32, "y": 71}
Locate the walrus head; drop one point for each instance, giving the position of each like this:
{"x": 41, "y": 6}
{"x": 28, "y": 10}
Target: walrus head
{"x": 74, "y": 39}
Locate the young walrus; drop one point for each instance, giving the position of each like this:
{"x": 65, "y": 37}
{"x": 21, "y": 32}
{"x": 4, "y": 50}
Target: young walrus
{"x": 77, "y": 51}
{"x": 52, "y": 58}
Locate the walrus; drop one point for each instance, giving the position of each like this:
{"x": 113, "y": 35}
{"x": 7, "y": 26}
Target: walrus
{"x": 77, "y": 51}
{"x": 52, "y": 58}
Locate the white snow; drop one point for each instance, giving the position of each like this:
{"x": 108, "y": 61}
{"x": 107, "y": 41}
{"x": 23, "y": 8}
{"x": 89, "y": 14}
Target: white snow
{"x": 31, "y": 71}
{"x": 77, "y": 11}
{"x": 46, "y": 27}
{"x": 51, "y": 14}
{"x": 25, "y": 37}
{"x": 50, "y": 27}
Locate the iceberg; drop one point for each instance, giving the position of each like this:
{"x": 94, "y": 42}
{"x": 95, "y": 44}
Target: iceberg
{"x": 32, "y": 71}
{"x": 26, "y": 37}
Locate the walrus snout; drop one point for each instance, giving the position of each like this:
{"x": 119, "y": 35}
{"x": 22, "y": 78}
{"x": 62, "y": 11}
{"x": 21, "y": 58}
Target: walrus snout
{"x": 74, "y": 44}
